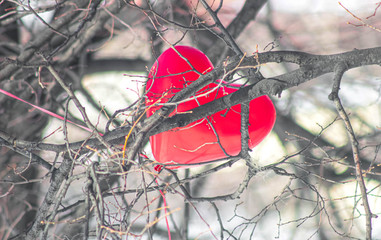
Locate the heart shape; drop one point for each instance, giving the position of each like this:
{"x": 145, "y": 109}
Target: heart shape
{"x": 198, "y": 141}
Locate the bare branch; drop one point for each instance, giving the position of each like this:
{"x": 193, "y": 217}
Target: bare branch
{"x": 40, "y": 40}
{"x": 339, "y": 70}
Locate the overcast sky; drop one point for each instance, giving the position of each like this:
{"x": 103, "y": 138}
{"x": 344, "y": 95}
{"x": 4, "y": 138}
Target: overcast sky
{"x": 323, "y": 5}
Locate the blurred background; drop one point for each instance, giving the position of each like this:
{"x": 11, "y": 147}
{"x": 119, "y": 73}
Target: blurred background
{"x": 106, "y": 64}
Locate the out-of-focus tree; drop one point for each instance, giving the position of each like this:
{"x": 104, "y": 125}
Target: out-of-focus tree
{"x": 316, "y": 175}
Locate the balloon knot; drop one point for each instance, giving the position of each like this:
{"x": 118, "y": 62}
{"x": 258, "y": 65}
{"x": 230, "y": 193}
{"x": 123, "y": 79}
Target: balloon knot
{"x": 158, "y": 168}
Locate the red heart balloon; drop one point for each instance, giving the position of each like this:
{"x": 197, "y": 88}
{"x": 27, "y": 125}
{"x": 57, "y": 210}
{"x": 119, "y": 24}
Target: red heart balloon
{"x": 197, "y": 142}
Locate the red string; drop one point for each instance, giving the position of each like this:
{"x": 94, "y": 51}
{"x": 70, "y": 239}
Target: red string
{"x": 42, "y": 109}
{"x": 165, "y": 210}
{"x": 157, "y": 167}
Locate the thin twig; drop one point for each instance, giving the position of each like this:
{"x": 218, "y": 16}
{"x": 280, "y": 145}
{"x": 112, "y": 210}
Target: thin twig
{"x": 79, "y": 106}
{"x": 43, "y": 21}
{"x": 363, "y": 23}
{"x": 236, "y": 194}
{"x": 225, "y": 34}
{"x": 339, "y": 70}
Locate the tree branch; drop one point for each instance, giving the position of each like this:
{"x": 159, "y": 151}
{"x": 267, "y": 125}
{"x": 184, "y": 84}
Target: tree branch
{"x": 311, "y": 66}
{"x": 225, "y": 34}
{"x": 41, "y": 39}
{"x": 323, "y": 64}
{"x": 247, "y": 14}
{"x": 340, "y": 69}
{"x": 44, "y": 210}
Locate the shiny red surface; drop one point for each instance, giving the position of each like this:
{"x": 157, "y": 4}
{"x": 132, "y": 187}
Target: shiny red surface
{"x": 197, "y": 142}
